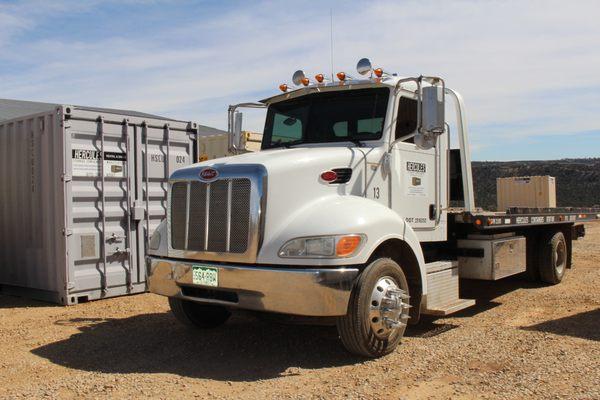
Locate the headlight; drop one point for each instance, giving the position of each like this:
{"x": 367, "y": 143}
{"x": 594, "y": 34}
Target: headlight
{"x": 154, "y": 241}
{"x": 323, "y": 246}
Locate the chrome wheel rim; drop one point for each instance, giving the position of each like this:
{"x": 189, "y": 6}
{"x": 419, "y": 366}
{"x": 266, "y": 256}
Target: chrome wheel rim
{"x": 560, "y": 257}
{"x": 388, "y": 309}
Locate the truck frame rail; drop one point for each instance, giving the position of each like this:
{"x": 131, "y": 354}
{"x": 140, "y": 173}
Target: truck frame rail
{"x": 521, "y": 217}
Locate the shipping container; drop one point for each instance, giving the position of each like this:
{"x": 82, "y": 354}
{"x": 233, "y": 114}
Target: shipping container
{"x": 81, "y": 187}
{"x": 527, "y": 191}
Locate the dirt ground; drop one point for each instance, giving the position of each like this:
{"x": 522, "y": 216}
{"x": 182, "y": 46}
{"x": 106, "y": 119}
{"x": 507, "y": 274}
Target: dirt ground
{"x": 521, "y": 340}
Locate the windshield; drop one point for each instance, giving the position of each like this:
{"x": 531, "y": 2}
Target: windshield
{"x": 338, "y": 116}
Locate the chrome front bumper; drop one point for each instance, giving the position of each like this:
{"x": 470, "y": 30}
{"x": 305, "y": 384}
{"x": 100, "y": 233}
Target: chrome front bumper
{"x": 309, "y": 292}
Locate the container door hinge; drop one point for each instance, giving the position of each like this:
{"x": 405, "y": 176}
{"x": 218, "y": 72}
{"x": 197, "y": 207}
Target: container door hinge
{"x": 67, "y": 232}
{"x": 66, "y": 178}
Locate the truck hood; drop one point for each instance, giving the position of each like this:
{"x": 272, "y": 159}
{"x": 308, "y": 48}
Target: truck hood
{"x": 293, "y": 179}
{"x": 294, "y": 174}
{"x": 298, "y": 157}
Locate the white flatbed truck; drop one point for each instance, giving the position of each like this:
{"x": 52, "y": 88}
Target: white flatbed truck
{"x": 356, "y": 210}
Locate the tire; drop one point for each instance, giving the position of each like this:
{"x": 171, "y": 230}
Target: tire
{"x": 553, "y": 258}
{"x": 195, "y": 315}
{"x": 532, "y": 262}
{"x": 364, "y": 330}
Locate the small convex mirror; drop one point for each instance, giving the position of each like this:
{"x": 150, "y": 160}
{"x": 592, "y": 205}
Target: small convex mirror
{"x": 364, "y": 66}
{"x": 297, "y": 77}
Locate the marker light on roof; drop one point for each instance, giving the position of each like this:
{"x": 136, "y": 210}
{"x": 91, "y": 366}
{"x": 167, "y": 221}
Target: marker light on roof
{"x": 305, "y": 81}
{"x": 283, "y": 87}
{"x": 341, "y": 76}
{"x": 378, "y": 72}
{"x": 320, "y": 78}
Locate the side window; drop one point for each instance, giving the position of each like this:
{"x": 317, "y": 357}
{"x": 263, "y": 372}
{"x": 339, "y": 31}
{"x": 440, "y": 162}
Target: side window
{"x": 406, "y": 122}
{"x": 286, "y": 129}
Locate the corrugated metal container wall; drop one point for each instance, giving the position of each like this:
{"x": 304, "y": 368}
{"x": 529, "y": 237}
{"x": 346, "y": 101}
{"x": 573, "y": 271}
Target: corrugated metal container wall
{"x": 527, "y": 191}
{"x": 74, "y": 185}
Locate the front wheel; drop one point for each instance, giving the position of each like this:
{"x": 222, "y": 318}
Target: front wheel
{"x": 198, "y": 315}
{"x": 377, "y": 310}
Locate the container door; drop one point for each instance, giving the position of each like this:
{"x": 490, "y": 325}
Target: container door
{"x": 116, "y": 193}
{"x": 160, "y": 151}
{"x": 102, "y": 246}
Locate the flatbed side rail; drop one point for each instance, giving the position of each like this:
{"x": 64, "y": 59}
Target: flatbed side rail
{"x": 526, "y": 217}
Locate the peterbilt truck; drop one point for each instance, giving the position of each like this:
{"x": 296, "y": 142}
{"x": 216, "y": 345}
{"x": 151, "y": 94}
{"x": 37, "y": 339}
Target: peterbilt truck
{"x": 355, "y": 211}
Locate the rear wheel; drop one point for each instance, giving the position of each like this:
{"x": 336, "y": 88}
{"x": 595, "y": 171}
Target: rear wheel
{"x": 553, "y": 258}
{"x": 377, "y": 311}
{"x": 198, "y": 315}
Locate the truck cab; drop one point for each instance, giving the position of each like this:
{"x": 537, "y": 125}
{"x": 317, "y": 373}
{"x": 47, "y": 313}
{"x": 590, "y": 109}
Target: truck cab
{"x": 334, "y": 217}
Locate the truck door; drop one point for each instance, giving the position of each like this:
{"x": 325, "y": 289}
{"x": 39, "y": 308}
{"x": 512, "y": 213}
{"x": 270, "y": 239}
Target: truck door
{"x": 416, "y": 182}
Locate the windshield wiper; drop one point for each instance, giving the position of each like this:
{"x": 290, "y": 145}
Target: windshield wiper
{"x": 287, "y": 145}
{"x": 357, "y": 142}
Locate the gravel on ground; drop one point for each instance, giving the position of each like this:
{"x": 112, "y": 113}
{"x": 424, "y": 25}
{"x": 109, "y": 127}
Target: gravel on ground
{"x": 521, "y": 340}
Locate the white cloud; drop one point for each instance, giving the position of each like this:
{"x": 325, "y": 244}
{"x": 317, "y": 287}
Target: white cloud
{"x": 531, "y": 66}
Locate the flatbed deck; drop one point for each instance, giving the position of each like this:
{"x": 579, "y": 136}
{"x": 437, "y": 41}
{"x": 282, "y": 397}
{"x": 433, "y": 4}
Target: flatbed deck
{"x": 523, "y": 217}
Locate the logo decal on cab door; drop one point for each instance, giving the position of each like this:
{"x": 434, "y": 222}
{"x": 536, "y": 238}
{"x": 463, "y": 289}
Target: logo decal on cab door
{"x": 209, "y": 174}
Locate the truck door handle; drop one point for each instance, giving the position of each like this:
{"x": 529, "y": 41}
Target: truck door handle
{"x": 432, "y": 212}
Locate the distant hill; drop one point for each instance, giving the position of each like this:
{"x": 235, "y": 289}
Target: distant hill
{"x": 577, "y": 180}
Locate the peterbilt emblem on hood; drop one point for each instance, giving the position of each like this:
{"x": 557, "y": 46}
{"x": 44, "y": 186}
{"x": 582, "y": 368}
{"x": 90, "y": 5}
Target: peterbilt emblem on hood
{"x": 208, "y": 174}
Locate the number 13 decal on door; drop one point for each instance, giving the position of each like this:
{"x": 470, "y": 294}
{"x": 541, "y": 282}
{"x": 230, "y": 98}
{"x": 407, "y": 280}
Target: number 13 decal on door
{"x": 376, "y": 192}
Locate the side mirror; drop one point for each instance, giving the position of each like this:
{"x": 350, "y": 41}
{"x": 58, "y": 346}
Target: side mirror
{"x": 432, "y": 111}
{"x": 433, "y": 120}
{"x": 237, "y": 130}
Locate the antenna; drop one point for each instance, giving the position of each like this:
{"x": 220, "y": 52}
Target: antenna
{"x": 331, "y": 39}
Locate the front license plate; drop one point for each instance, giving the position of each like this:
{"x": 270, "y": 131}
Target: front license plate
{"x": 206, "y": 276}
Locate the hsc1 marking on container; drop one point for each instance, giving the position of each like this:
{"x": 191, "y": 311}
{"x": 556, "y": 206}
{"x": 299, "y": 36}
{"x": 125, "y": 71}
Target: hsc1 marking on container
{"x": 88, "y": 163}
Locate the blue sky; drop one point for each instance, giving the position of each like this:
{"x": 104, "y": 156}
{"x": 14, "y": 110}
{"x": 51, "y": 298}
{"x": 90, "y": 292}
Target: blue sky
{"x": 528, "y": 70}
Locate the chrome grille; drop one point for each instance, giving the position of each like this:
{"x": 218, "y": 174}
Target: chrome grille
{"x": 178, "y": 203}
{"x": 211, "y": 217}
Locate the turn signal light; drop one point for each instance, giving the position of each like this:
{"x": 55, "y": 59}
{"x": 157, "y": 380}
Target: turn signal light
{"x": 329, "y": 176}
{"x": 378, "y": 72}
{"x": 319, "y": 78}
{"x": 283, "y": 87}
{"x": 341, "y": 76}
{"x": 346, "y": 245}
{"x": 305, "y": 81}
